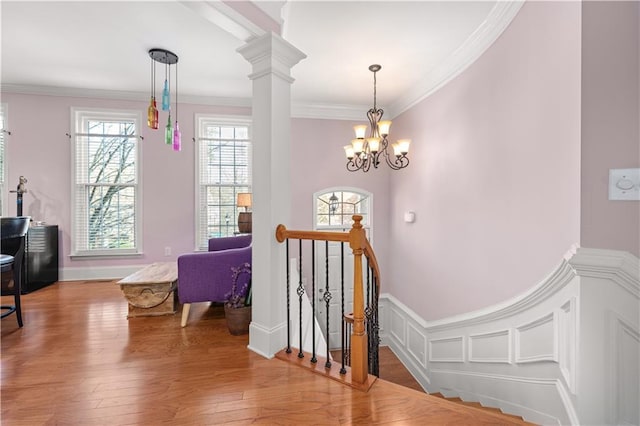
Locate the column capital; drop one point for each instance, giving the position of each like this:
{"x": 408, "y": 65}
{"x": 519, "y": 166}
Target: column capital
{"x": 271, "y": 54}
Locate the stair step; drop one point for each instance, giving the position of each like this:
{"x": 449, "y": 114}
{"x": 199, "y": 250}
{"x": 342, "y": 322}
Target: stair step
{"x": 477, "y": 405}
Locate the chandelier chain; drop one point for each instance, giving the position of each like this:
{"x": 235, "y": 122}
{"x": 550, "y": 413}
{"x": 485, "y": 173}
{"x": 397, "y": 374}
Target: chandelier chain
{"x": 374, "y": 91}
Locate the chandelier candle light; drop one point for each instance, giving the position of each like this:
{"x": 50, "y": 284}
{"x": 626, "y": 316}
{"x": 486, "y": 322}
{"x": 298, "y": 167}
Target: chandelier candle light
{"x": 172, "y": 134}
{"x": 365, "y": 152}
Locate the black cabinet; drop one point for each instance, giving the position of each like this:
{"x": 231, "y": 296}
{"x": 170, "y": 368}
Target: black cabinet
{"x": 41, "y": 257}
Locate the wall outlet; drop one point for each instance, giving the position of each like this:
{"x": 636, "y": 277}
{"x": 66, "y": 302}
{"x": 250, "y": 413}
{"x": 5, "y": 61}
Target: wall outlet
{"x": 167, "y": 251}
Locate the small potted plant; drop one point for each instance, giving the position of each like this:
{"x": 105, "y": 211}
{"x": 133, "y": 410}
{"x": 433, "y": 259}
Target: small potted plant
{"x": 237, "y": 307}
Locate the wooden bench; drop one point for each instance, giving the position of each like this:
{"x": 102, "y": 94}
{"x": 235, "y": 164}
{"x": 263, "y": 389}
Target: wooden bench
{"x": 151, "y": 291}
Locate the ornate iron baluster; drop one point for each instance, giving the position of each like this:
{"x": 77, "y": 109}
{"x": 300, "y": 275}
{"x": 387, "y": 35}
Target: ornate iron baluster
{"x": 313, "y": 302}
{"x": 327, "y": 298}
{"x": 300, "y": 292}
{"x": 344, "y": 339}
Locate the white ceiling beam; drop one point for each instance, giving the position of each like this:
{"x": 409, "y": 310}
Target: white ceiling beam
{"x": 226, "y": 18}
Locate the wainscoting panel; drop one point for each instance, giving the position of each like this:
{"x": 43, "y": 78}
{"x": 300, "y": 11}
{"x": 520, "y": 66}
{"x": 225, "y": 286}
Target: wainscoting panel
{"x": 568, "y": 341}
{"x": 417, "y": 344}
{"x": 446, "y": 350}
{"x": 397, "y": 326}
{"x": 536, "y": 341}
{"x": 490, "y": 347}
{"x": 626, "y": 376}
{"x": 536, "y": 354}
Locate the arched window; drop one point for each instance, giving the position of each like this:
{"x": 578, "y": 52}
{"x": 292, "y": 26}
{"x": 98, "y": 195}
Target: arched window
{"x": 334, "y": 207}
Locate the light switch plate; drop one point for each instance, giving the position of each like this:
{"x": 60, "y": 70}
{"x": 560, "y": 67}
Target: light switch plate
{"x": 624, "y": 184}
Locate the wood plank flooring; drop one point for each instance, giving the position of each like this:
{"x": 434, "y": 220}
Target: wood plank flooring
{"x": 79, "y": 361}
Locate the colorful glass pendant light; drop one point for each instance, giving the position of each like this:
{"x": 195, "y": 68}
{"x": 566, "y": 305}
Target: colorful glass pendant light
{"x": 177, "y": 137}
{"x": 168, "y": 131}
{"x": 152, "y": 114}
{"x": 166, "y": 98}
{"x": 152, "y": 111}
{"x": 168, "y": 58}
{"x": 177, "y": 143}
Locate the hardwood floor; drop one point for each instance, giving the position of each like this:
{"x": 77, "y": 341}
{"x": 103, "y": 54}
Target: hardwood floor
{"x": 78, "y": 360}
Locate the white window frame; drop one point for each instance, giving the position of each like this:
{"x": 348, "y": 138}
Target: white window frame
{"x": 368, "y": 217}
{"x": 200, "y": 209}
{"x": 4, "y": 189}
{"x": 78, "y": 115}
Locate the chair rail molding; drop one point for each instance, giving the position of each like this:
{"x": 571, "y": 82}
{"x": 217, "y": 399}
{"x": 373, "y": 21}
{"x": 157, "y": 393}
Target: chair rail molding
{"x": 563, "y": 352}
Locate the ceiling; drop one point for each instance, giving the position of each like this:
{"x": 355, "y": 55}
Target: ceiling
{"x": 84, "y": 48}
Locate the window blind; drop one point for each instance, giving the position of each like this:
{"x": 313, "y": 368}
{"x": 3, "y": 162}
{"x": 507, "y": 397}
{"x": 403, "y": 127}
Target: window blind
{"x": 223, "y": 171}
{"x": 106, "y": 191}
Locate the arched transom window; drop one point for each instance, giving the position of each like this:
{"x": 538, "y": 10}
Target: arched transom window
{"x": 335, "y": 207}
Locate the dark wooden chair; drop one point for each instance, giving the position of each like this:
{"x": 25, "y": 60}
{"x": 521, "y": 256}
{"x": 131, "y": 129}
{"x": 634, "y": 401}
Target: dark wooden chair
{"x": 12, "y": 240}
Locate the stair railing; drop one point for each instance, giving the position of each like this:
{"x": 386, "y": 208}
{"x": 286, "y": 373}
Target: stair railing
{"x": 359, "y": 328}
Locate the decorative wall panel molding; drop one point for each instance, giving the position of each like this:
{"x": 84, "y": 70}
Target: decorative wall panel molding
{"x": 494, "y": 347}
{"x": 626, "y": 376}
{"x": 539, "y": 355}
{"x": 397, "y": 325}
{"x": 536, "y": 341}
{"x": 568, "y": 341}
{"x": 417, "y": 344}
{"x": 450, "y": 349}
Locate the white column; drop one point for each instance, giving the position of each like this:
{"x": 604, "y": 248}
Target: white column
{"x": 271, "y": 58}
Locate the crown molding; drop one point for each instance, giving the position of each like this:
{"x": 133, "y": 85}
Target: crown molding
{"x": 118, "y": 95}
{"x": 298, "y": 110}
{"x": 482, "y": 38}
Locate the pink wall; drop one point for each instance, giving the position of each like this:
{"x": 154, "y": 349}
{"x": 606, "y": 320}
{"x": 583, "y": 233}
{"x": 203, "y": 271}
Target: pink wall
{"x": 495, "y": 174}
{"x": 610, "y": 117}
{"x": 39, "y": 149}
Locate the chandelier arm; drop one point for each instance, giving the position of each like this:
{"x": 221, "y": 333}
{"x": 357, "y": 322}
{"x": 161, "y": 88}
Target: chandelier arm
{"x": 351, "y": 166}
{"x": 400, "y": 162}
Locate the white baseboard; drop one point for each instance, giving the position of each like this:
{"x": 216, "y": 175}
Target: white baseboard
{"x": 97, "y": 273}
{"x": 267, "y": 341}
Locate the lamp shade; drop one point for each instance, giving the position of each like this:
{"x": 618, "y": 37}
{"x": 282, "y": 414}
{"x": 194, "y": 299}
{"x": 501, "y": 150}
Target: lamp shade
{"x": 374, "y": 144}
{"x": 360, "y": 130}
{"x": 244, "y": 199}
{"x": 384, "y": 127}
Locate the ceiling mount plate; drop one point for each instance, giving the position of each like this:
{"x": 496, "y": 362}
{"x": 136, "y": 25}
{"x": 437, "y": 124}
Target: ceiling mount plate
{"x": 164, "y": 56}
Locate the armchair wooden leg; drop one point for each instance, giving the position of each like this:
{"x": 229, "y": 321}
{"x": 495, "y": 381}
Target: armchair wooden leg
{"x": 185, "y": 314}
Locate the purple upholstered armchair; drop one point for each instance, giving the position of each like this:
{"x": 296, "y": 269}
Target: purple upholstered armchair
{"x": 207, "y": 276}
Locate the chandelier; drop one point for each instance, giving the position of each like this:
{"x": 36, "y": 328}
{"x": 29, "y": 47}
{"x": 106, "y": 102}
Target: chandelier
{"x": 365, "y": 152}
{"x": 172, "y": 134}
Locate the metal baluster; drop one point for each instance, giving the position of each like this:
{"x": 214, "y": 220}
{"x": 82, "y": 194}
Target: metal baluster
{"x": 344, "y": 339}
{"x": 327, "y": 298}
{"x": 313, "y": 302}
{"x": 367, "y": 315}
{"x": 288, "y": 298}
{"x": 300, "y": 293}
{"x": 376, "y": 328}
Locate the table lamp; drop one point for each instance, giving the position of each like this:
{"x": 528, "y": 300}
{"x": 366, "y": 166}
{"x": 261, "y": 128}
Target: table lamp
{"x": 244, "y": 218}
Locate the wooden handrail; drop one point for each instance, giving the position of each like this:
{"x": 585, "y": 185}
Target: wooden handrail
{"x": 373, "y": 262}
{"x": 282, "y": 233}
